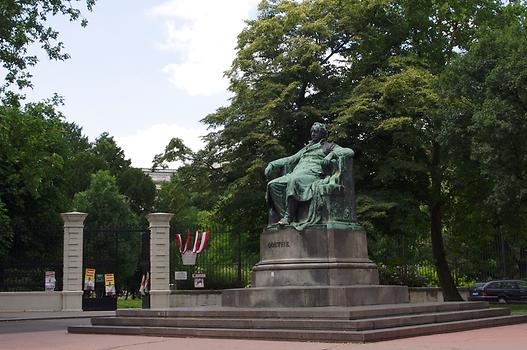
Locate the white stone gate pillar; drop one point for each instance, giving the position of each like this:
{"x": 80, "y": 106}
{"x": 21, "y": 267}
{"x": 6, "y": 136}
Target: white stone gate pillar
{"x": 72, "y": 263}
{"x": 159, "y": 259}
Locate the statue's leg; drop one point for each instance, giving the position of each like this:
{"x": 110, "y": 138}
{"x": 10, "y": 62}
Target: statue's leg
{"x": 276, "y": 192}
{"x": 292, "y": 205}
{"x": 299, "y": 194}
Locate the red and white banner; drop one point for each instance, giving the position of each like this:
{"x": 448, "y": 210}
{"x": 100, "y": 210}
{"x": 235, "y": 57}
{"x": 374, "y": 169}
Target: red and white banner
{"x": 200, "y": 242}
{"x": 183, "y": 249}
{"x": 204, "y": 239}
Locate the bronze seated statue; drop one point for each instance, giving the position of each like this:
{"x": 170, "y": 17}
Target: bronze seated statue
{"x": 316, "y": 186}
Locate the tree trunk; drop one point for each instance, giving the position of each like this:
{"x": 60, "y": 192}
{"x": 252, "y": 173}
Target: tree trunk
{"x": 446, "y": 282}
{"x": 522, "y": 263}
{"x": 497, "y": 228}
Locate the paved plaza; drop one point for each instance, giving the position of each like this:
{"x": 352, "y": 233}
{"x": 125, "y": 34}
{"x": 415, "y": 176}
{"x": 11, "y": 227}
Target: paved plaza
{"x": 50, "y": 333}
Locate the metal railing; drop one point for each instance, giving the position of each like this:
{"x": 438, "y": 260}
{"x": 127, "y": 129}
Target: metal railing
{"x": 229, "y": 257}
{"x": 227, "y": 260}
{"x": 25, "y": 266}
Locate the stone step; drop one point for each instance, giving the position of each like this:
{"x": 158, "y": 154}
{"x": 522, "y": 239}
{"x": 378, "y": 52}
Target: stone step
{"x": 428, "y": 318}
{"x": 345, "y": 313}
{"x": 446, "y": 327}
{"x": 306, "y": 334}
{"x": 297, "y": 323}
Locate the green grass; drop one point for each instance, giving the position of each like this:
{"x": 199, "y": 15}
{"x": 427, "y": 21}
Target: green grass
{"x": 515, "y": 308}
{"x": 518, "y": 307}
{"x": 128, "y": 303}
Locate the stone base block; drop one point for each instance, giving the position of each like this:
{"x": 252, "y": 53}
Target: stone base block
{"x": 72, "y": 300}
{"x": 30, "y": 301}
{"x": 159, "y": 299}
{"x": 312, "y": 296}
{"x": 318, "y": 256}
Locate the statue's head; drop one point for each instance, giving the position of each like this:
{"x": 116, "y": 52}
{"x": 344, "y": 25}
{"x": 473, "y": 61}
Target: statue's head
{"x": 318, "y": 132}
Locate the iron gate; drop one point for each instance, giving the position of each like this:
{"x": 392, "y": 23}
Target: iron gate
{"x": 123, "y": 252}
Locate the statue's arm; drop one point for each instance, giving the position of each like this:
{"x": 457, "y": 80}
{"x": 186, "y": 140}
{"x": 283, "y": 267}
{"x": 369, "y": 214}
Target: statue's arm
{"x": 340, "y": 152}
{"x": 280, "y": 163}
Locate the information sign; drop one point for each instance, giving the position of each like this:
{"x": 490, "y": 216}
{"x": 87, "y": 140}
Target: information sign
{"x": 89, "y": 279}
{"x": 109, "y": 284}
{"x": 49, "y": 281}
{"x": 181, "y": 275}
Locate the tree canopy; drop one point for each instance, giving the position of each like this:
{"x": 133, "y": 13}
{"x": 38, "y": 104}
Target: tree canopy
{"x": 45, "y": 161}
{"x": 374, "y": 71}
{"x": 24, "y": 22}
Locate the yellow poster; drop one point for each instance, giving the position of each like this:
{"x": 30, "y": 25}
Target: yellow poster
{"x": 109, "y": 284}
{"x": 89, "y": 279}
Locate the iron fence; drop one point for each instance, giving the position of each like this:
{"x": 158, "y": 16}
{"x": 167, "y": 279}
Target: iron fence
{"x": 229, "y": 257}
{"x": 24, "y": 276}
{"x": 25, "y": 266}
{"x": 226, "y": 262}
{"x": 493, "y": 259}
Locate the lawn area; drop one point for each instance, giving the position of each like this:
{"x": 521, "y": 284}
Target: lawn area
{"x": 518, "y": 308}
{"x": 515, "y": 308}
{"x": 129, "y": 303}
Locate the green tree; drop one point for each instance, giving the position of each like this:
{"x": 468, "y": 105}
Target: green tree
{"x": 44, "y": 161}
{"x": 88, "y": 158}
{"x": 25, "y": 22}
{"x": 6, "y": 232}
{"x": 108, "y": 209}
{"x": 487, "y": 94}
{"x": 388, "y": 115}
{"x": 35, "y": 150}
{"x": 196, "y": 180}
{"x": 107, "y": 149}
{"x": 82, "y": 166}
{"x": 296, "y": 64}
{"x": 174, "y": 197}
{"x": 139, "y": 188}
{"x": 291, "y": 69}
{"x": 436, "y": 31}
{"x": 303, "y": 62}
{"x": 102, "y": 201}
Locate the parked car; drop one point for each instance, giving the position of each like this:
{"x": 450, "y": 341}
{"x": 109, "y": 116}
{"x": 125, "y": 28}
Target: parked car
{"x": 502, "y": 291}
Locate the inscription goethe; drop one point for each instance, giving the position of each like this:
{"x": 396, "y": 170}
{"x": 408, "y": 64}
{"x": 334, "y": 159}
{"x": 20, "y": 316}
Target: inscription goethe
{"x": 278, "y": 244}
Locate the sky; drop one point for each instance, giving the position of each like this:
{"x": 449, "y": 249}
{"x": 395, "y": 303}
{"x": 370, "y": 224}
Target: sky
{"x": 144, "y": 71}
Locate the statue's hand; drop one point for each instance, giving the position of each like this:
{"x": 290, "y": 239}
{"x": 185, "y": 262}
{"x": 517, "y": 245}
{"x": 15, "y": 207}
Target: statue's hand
{"x": 326, "y": 166}
{"x": 268, "y": 169}
{"x": 326, "y": 163}
{"x": 330, "y": 156}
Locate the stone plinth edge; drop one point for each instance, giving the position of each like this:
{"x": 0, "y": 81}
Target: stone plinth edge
{"x": 73, "y": 218}
{"x": 310, "y": 296}
{"x": 159, "y": 219}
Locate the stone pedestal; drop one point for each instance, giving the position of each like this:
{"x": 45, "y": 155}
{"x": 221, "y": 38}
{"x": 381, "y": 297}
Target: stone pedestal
{"x": 159, "y": 259}
{"x": 324, "y": 265}
{"x": 318, "y": 256}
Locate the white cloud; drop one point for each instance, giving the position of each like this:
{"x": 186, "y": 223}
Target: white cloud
{"x": 144, "y": 144}
{"x": 203, "y": 35}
